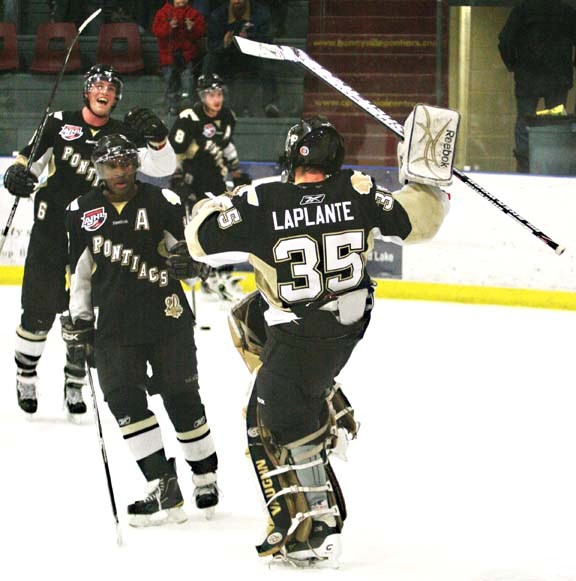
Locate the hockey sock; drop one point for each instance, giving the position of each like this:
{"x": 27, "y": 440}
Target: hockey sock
{"x": 29, "y": 348}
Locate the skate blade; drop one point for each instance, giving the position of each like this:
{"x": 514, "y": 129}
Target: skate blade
{"x": 162, "y": 517}
{"x": 77, "y": 419}
{"x": 208, "y": 513}
{"x": 311, "y": 563}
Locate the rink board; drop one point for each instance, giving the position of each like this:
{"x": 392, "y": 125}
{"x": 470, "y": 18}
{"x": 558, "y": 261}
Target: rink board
{"x": 480, "y": 254}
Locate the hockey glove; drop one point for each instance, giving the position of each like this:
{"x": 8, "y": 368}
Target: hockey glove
{"x": 146, "y": 123}
{"x": 426, "y": 155}
{"x": 79, "y": 338}
{"x": 19, "y": 181}
{"x": 181, "y": 266}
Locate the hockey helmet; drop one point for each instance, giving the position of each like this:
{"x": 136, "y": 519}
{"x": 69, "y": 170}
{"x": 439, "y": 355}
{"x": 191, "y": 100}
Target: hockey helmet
{"x": 115, "y": 149}
{"x": 313, "y": 142}
{"x": 209, "y": 82}
{"x": 103, "y": 73}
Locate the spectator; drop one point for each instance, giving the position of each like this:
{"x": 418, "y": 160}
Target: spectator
{"x": 537, "y": 45}
{"x": 249, "y": 19}
{"x": 179, "y": 30}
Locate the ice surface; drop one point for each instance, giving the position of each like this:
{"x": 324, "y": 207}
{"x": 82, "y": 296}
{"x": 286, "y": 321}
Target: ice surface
{"x": 464, "y": 469}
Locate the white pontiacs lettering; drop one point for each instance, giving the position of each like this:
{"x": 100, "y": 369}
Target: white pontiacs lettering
{"x": 126, "y": 258}
{"x": 313, "y": 215}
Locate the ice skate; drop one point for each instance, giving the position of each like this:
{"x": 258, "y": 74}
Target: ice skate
{"x": 222, "y": 286}
{"x": 322, "y": 549}
{"x": 74, "y": 401}
{"x": 162, "y": 505}
{"x": 26, "y": 392}
{"x": 206, "y": 493}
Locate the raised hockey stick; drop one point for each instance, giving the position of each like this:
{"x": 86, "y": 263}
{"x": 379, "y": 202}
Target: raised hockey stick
{"x": 104, "y": 456}
{"x": 40, "y": 130}
{"x": 295, "y": 55}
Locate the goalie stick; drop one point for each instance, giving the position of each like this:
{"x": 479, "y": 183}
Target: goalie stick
{"x": 295, "y": 55}
{"x": 40, "y": 130}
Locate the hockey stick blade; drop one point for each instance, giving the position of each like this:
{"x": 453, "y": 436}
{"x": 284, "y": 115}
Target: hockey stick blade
{"x": 295, "y": 55}
{"x": 40, "y": 130}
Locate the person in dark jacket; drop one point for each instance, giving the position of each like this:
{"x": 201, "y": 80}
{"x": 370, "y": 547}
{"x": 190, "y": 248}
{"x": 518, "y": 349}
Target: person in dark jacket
{"x": 248, "y": 19}
{"x": 537, "y": 45}
{"x": 179, "y": 30}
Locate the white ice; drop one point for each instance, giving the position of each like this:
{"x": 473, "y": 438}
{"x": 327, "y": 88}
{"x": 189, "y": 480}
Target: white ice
{"x": 464, "y": 469}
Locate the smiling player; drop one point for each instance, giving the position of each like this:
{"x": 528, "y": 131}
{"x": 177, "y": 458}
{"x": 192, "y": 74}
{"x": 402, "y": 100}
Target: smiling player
{"x": 64, "y": 151}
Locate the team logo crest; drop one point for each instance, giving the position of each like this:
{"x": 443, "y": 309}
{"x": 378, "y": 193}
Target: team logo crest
{"x": 209, "y": 131}
{"x": 94, "y": 219}
{"x": 173, "y": 307}
{"x": 70, "y": 132}
{"x": 304, "y": 151}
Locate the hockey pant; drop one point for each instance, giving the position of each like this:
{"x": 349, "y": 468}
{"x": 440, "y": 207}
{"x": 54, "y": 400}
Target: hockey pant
{"x": 248, "y": 330}
{"x": 124, "y": 382}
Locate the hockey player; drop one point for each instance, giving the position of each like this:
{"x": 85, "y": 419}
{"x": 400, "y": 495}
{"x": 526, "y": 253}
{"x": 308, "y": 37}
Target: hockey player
{"x": 115, "y": 231}
{"x": 307, "y": 240}
{"x": 202, "y": 137}
{"x": 64, "y": 150}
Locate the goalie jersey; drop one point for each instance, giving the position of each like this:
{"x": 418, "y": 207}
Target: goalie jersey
{"x": 309, "y": 242}
{"x": 117, "y": 264}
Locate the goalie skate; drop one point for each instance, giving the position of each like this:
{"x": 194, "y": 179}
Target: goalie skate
{"x": 322, "y": 549}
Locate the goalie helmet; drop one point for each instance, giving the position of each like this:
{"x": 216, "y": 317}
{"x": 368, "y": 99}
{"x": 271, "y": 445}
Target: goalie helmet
{"x": 103, "y": 73}
{"x": 207, "y": 83}
{"x": 113, "y": 150}
{"x": 314, "y": 142}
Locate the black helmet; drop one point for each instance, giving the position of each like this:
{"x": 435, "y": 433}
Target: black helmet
{"x": 114, "y": 148}
{"x": 103, "y": 73}
{"x": 314, "y": 142}
{"x": 209, "y": 83}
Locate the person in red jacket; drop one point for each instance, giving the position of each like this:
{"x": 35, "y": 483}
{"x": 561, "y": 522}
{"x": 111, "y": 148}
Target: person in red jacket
{"x": 179, "y": 30}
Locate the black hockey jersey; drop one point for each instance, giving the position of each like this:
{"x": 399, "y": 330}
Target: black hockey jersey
{"x": 116, "y": 264}
{"x": 204, "y": 146}
{"x": 307, "y": 242}
{"x": 65, "y": 149}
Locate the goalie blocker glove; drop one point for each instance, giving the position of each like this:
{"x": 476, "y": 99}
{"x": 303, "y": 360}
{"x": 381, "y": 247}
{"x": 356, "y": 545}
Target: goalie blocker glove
{"x": 181, "y": 266}
{"x": 79, "y": 337}
{"x": 426, "y": 155}
{"x": 19, "y": 181}
{"x": 146, "y": 123}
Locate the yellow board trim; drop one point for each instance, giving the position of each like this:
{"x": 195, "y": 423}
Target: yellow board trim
{"x": 417, "y": 291}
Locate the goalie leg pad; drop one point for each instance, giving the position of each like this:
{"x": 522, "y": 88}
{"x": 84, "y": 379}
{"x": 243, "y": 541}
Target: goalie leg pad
{"x": 296, "y": 481}
{"x": 342, "y": 412}
{"x": 427, "y": 153}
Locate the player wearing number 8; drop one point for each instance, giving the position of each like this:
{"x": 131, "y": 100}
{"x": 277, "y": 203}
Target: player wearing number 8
{"x": 307, "y": 239}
